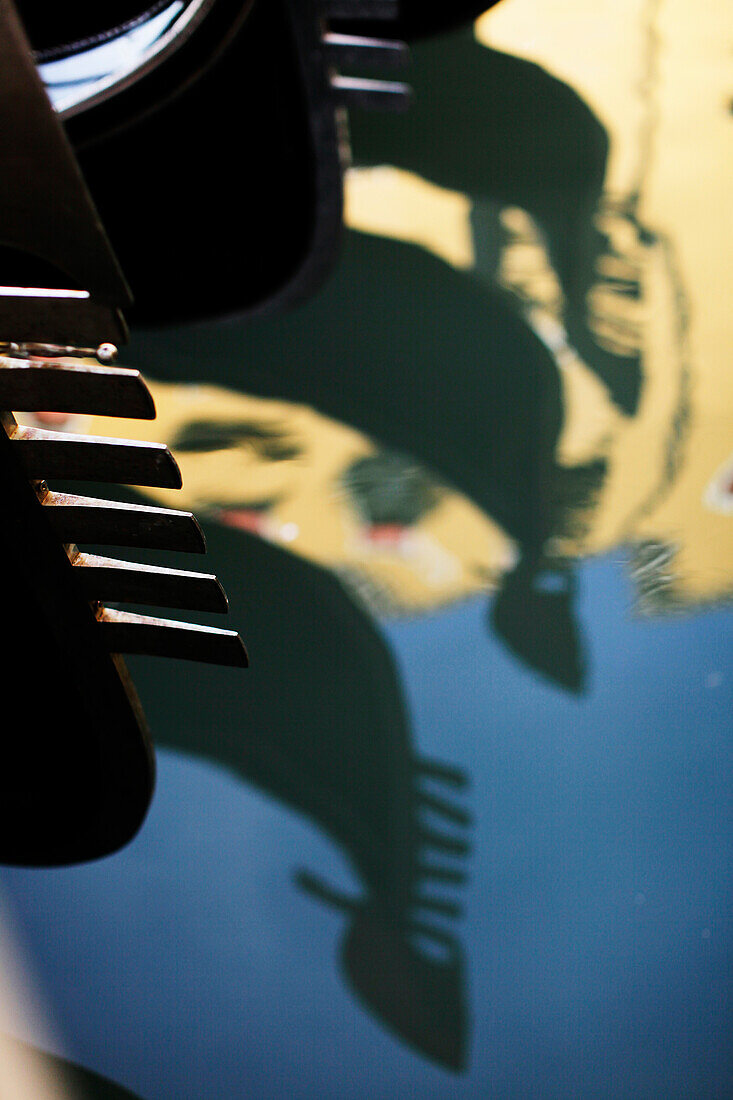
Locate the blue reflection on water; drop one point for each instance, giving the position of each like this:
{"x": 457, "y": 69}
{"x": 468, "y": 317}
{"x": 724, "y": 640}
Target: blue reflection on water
{"x": 189, "y": 966}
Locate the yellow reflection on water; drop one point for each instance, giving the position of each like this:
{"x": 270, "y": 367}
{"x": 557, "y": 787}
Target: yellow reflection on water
{"x": 656, "y": 74}
{"x": 394, "y": 203}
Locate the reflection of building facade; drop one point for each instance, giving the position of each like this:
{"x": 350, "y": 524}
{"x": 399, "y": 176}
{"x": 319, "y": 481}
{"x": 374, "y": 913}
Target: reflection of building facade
{"x": 654, "y": 76}
{"x": 653, "y": 306}
{"x": 413, "y": 542}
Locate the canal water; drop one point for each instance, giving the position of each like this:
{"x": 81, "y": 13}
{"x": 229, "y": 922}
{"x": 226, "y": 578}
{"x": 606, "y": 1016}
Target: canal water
{"x": 463, "y": 828}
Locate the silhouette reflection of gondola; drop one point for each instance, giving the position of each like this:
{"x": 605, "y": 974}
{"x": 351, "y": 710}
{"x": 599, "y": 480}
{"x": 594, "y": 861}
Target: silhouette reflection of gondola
{"x": 468, "y": 391}
{"x": 413, "y": 990}
{"x": 323, "y": 728}
{"x": 465, "y": 387}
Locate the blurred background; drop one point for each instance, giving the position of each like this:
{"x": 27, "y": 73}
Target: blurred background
{"x": 463, "y": 829}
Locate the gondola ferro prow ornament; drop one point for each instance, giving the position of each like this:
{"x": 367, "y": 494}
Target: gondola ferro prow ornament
{"x": 78, "y": 765}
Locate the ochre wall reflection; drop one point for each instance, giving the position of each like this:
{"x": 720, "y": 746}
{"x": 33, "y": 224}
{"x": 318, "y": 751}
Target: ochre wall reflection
{"x": 291, "y": 475}
{"x": 657, "y": 74}
{"x": 644, "y": 376}
{"x": 603, "y": 239}
{"x": 316, "y": 500}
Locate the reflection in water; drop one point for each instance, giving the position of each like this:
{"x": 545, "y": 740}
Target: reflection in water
{"x": 535, "y": 156}
{"x": 633, "y": 295}
{"x": 399, "y": 538}
{"x": 507, "y": 380}
{"x": 323, "y": 727}
{"x": 534, "y": 614}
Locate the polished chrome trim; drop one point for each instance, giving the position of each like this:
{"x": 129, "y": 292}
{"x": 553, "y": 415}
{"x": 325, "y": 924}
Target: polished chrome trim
{"x": 72, "y": 96}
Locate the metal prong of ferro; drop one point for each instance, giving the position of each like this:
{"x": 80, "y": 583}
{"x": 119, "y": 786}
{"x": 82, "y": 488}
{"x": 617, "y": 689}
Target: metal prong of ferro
{"x": 58, "y": 347}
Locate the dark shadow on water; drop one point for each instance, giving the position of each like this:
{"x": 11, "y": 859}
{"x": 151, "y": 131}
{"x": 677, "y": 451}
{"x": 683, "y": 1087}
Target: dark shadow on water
{"x": 321, "y": 725}
{"x": 435, "y": 365}
{"x": 536, "y": 604}
{"x": 430, "y": 365}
